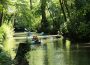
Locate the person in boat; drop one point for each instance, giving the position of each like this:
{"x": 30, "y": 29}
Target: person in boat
{"x": 42, "y": 33}
{"x": 58, "y": 34}
{"x": 29, "y": 33}
{"x": 35, "y": 40}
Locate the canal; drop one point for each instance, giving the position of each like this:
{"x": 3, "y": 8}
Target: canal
{"x": 53, "y": 51}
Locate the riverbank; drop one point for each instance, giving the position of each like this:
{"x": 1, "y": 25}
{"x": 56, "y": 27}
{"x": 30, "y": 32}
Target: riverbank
{"x": 76, "y": 38}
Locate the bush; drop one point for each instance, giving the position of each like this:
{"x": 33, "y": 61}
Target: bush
{"x": 7, "y": 44}
{"x": 5, "y": 59}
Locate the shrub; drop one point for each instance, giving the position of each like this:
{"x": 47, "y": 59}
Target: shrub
{"x": 7, "y": 44}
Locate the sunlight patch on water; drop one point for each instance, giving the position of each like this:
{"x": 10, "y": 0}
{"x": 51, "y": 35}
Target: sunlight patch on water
{"x": 68, "y": 43}
{"x": 36, "y": 56}
{"x": 50, "y": 53}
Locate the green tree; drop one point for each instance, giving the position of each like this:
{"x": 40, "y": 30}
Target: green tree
{"x": 44, "y": 22}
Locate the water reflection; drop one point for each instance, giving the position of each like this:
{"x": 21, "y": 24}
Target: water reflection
{"x": 56, "y": 52}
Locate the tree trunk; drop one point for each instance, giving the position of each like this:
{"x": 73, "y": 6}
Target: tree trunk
{"x": 1, "y": 17}
{"x": 61, "y": 4}
{"x": 65, "y": 3}
{"x": 44, "y": 23}
{"x": 43, "y": 6}
{"x": 31, "y": 4}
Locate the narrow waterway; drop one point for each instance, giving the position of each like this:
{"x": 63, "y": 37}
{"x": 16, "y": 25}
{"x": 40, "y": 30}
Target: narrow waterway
{"x": 54, "y": 51}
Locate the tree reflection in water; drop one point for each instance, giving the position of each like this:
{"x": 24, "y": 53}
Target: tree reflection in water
{"x": 54, "y": 52}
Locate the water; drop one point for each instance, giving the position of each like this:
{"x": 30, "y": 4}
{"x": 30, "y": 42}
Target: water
{"x": 59, "y": 52}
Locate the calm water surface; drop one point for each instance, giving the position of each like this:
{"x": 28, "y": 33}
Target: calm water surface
{"x": 59, "y": 52}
